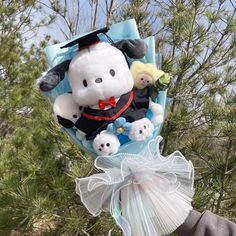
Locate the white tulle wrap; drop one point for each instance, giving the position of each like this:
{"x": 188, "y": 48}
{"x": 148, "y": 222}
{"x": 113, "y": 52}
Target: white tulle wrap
{"x": 146, "y": 193}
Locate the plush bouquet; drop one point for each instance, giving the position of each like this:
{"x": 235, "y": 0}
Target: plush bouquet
{"x": 109, "y": 96}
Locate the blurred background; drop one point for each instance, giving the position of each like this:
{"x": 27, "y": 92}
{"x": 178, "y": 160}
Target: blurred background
{"x": 38, "y": 163}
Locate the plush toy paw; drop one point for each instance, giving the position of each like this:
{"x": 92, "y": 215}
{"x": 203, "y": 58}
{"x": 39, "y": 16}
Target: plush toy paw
{"x": 163, "y": 82}
{"x": 141, "y": 129}
{"x": 106, "y": 143}
{"x": 158, "y": 113}
{"x": 157, "y": 120}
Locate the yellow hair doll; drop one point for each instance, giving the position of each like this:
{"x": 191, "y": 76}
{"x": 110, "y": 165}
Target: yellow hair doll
{"x": 147, "y": 74}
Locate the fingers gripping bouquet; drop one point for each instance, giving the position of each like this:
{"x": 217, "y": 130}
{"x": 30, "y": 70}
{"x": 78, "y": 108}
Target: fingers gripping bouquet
{"x": 108, "y": 109}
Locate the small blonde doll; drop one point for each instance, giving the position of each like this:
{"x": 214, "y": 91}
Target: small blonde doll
{"x": 147, "y": 74}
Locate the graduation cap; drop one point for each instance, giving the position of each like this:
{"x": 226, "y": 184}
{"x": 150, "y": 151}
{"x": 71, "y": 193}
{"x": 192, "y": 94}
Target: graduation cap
{"x": 88, "y": 39}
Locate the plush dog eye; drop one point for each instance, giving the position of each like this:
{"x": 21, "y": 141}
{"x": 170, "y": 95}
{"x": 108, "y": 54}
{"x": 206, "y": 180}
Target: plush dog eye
{"x": 112, "y": 72}
{"x": 85, "y": 83}
{"x": 75, "y": 116}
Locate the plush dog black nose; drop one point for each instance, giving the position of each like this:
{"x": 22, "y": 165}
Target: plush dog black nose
{"x": 98, "y": 80}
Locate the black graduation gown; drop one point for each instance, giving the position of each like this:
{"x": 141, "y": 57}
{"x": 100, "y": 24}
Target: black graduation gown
{"x": 132, "y": 106}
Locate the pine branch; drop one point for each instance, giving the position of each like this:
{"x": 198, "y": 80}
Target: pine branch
{"x": 222, "y": 188}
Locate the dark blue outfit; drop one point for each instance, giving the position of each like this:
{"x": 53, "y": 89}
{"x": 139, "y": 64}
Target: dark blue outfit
{"x": 132, "y": 106}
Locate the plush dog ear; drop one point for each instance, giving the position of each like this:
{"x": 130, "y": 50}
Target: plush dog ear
{"x": 133, "y": 48}
{"x": 54, "y": 76}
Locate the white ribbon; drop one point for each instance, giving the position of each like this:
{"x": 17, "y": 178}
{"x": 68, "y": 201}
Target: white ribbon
{"x": 146, "y": 193}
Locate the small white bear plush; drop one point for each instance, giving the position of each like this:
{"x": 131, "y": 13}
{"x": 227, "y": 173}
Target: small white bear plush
{"x": 106, "y": 143}
{"x": 141, "y": 129}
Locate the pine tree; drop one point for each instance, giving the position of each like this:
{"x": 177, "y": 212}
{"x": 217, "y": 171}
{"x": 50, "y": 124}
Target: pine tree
{"x": 37, "y": 195}
{"x": 201, "y": 122}
{"x": 197, "y": 41}
{"x": 38, "y": 163}
{"x": 140, "y": 11}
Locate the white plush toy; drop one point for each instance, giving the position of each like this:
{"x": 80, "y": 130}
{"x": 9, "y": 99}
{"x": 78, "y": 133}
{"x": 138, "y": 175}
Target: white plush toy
{"x": 66, "y": 110}
{"x": 102, "y": 83}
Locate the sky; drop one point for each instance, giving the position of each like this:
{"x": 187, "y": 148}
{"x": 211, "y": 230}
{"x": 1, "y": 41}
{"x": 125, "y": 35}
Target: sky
{"x": 84, "y": 16}
{"x": 72, "y": 6}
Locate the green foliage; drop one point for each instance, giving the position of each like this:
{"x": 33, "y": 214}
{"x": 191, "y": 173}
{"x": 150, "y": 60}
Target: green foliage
{"x": 36, "y": 186}
{"x": 38, "y": 164}
{"x": 139, "y": 10}
{"x": 197, "y": 40}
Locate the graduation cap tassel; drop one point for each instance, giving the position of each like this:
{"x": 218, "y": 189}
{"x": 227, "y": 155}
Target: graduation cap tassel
{"x": 87, "y": 39}
{"x": 109, "y": 39}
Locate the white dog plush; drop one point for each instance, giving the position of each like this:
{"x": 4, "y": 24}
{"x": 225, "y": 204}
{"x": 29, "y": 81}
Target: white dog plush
{"x": 101, "y": 82}
{"x": 66, "y": 110}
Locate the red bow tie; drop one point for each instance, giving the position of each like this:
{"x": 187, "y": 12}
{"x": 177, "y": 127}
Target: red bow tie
{"x": 110, "y": 102}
